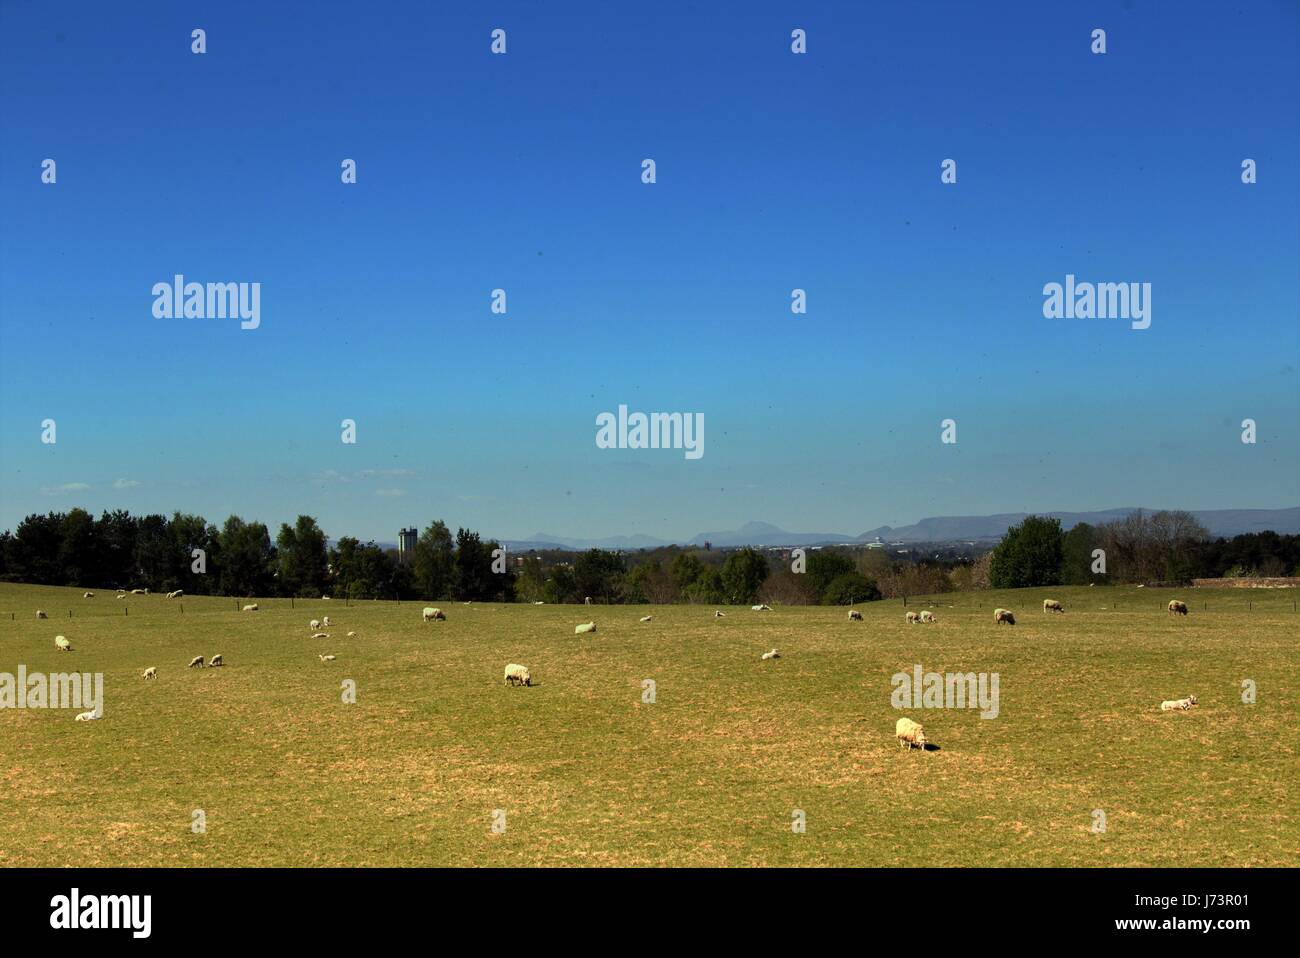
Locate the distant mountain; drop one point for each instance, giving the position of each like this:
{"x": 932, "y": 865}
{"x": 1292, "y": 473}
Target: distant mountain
{"x": 1220, "y": 522}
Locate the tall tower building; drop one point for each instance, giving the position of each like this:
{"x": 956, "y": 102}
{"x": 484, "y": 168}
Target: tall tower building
{"x": 406, "y": 544}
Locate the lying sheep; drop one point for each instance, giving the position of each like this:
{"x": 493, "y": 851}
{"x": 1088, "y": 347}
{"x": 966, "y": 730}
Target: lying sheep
{"x": 1053, "y": 605}
{"x": 855, "y": 615}
{"x": 585, "y": 627}
{"x": 320, "y": 635}
{"x": 40, "y": 614}
{"x": 1180, "y": 705}
{"x": 325, "y": 622}
{"x": 927, "y": 616}
{"x": 326, "y": 658}
{"x": 196, "y": 662}
{"x": 912, "y": 618}
{"x": 764, "y": 607}
{"x": 151, "y": 672}
{"x": 121, "y": 595}
{"x": 176, "y": 595}
{"x": 718, "y": 614}
{"x": 910, "y": 734}
{"x": 1003, "y": 615}
{"x": 1177, "y": 608}
{"x": 352, "y": 635}
{"x": 216, "y": 661}
{"x": 646, "y": 618}
{"x": 139, "y": 591}
{"x": 518, "y": 675}
{"x": 62, "y": 644}
{"x": 250, "y": 608}
{"x": 314, "y": 625}
{"x": 774, "y": 654}
{"x": 431, "y": 614}
{"x": 87, "y": 595}
{"x": 87, "y": 717}
{"x": 325, "y": 598}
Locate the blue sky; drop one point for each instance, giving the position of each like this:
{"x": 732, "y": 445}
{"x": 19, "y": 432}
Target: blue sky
{"x": 775, "y": 171}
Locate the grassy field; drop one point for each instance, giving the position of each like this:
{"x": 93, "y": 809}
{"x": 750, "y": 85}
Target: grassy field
{"x": 709, "y": 774}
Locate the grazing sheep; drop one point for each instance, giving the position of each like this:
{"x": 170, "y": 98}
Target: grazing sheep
{"x": 717, "y": 614}
{"x": 352, "y": 635}
{"x": 1177, "y": 608}
{"x": 40, "y": 614}
{"x": 250, "y": 608}
{"x": 325, "y": 622}
{"x": 585, "y": 627}
{"x": 62, "y": 644}
{"x": 855, "y": 615}
{"x": 87, "y": 717}
{"x": 518, "y": 675}
{"x": 927, "y": 616}
{"x": 151, "y": 672}
{"x": 314, "y": 625}
{"x": 587, "y": 600}
{"x": 320, "y": 635}
{"x": 196, "y": 662}
{"x": 87, "y": 595}
{"x": 774, "y": 654}
{"x": 1053, "y": 605}
{"x": 431, "y": 614}
{"x": 763, "y": 607}
{"x": 912, "y": 618}
{"x": 910, "y": 733}
{"x": 216, "y": 661}
{"x": 326, "y": 658}
{"x": 176, "y": 595}
{"x": 1003, "y": 615}
{"x": 1181, "y": 705}
{"x": 646, "y": 618}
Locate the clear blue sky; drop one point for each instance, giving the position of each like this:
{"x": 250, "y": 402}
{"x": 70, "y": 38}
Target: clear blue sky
{"x": 522, "y": 171}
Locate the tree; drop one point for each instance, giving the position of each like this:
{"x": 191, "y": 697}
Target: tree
{"x": 848, "y": 588}
{"x": 361, "y": 571}
{"x": 302, "y": 559}
{"x": 473, "y": 567}
{"x": 824, "y": 566}
{"x": 434, "y": 562}
{"x": 1076, "y": 555}
{"x": 1028, "y": 555}
{"x": 599, "y": 574}
{"x": 79, "y": 551}
{"x": 706, "y": 589}
{"x": 246, "y": 558}
{"x": 743, "y": 574}
{"x": 686, "y": 570}
{"x": 560, "y": 587}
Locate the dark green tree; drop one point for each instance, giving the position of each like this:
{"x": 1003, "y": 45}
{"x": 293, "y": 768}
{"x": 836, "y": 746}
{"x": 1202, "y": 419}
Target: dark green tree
{"x": 1028, "y": 555}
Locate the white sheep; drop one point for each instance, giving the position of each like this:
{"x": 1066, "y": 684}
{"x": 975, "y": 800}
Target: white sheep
{"x": 431, "y": 614}
{"x": 216, "y": 661}
{"x": 320, "y": 635}
{"x": 87, "y": 717}
{"x": 151, "y": 672}
{"x": 718, "y": 614}
{"x": 585, "y": 627}
{"x": 196, "y": 662}
{"x": 40, "y": 614}
{"x": 250, "y": 608}
{"x": 1053, "y": 605}
{"x": 855, "y": 615}
{"x": 325, "y": 598}
{"x": 774, "y": 654}
{"x": 352, "y": 635}
{"x": 62, "y": 644}
{"x": 518, "y": 675}
{"x": 1181, "y": 705}
{"x": 139, "y": 591}
{"x": 1003, "y": 615}
{"x": 762, "y": 607}
{"x": 587, "y": 600}
{"x": 325, "y": 622}
{"x": 646, "y": 618}
{"x": 87, "y": 595}
{"x": 121, "y": 595}
{"x": 177, "y": 594}
{"x": 927, "y": 616}
{"x": 327, "y": 658}
{"x": 314, "y": 625}
{"x": 1177, "y": 608}
{"x": 912, "y": 618}
{"x": 910, "y": 733}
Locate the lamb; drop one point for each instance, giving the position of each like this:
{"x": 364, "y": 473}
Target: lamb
{"x": 325, "y": 621}
{"x": 1003, "y": 615}
{"x": 326, "y": 658}
{"x": 855, "y": 615}
{"x": 927, "y": 616}
{"x": 40, "y": 614}
{"x": 431, "y": 614}
{"x": 912, "y": 618}
{"x": 586, "y": 600}
{"x": 176, "y": 595}
{"x": 139, "y": 591}
{"x": 216, "y": 661}
{"x": 1181, "y": 705}
{"x": 646, "y": 618}
{"x": 151, "y": 672}
{"x": 585, "y": 627}
{"x": 718, "y": 614}
{"x": 250, "y": 608}
{"x": 62, "y": 644}
{"x": 314, "y": 625}
{"x": 1177, "y": 608}
{"x": 196, "y": 662}
{"x": 774, "y": 654}
{"x": 764, "y": 607}
{"x": 1053, "y": 605}
{"x": 910, "y": 733}
{"x": 352, "y": 635}
{"x": 320, "y": 635}
{"x": 87, "y": 717}
{"x": 518, "y": 675}
{"x": 121, "y": 595}
{"x": 87, "y": 595}
{"x": 325, "y": 598}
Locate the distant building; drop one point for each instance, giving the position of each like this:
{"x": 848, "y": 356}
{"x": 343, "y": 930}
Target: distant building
{"x": 406, "y": 544}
